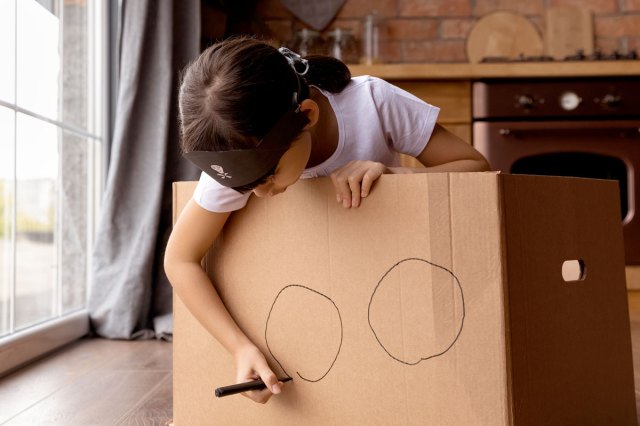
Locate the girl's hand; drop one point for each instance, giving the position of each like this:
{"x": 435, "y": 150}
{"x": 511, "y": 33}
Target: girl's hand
{"x": 252, "y": 365}
{"x": 353, "y": 181}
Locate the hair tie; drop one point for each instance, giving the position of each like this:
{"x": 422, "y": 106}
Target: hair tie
{"x": 293, "y": 58}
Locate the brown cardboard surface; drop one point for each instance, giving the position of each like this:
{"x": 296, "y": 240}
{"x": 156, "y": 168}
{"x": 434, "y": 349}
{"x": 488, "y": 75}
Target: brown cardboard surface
{"x": 568, "y": 338}
{"x": 403, "y": 311}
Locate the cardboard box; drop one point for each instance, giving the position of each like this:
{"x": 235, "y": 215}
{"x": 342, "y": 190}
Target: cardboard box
{"x": 440, "y": 301}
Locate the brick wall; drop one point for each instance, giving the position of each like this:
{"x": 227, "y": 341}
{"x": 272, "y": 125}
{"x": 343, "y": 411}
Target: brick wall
{"x": 436, "y": 30}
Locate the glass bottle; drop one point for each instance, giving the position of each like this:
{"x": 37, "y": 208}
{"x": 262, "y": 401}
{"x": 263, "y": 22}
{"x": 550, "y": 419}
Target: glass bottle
{"x": 308, "y": 42}
{"x": 371, "y": 40}
{"x": 342, "y": 45}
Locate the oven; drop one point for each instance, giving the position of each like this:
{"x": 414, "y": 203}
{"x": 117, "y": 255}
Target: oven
{"x": 581, "y": 127}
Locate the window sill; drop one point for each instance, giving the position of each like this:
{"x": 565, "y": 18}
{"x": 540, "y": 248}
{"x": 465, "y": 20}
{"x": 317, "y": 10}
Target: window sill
{"x": 27, "y": 345}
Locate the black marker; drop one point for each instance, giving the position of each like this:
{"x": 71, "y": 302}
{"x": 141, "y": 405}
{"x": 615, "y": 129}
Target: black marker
{"x": 243, "y": 387}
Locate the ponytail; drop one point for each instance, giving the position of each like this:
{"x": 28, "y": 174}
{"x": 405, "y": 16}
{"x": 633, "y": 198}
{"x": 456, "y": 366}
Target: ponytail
{"x": 327, "y": 73}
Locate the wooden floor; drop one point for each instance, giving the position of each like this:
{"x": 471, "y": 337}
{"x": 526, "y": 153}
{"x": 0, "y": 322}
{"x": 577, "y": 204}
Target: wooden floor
{"x": 104, "y": 382}
{"x": 92, "y": 382}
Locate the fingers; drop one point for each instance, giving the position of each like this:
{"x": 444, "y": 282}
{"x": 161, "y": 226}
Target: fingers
{"x": 346, "y": 182}
{"x": 354, "y": 181}
{"x": 259, "y": 396}
{"x": 262, "y": 396}
{"x": 272, "y": 387}
{"x": 251, "y": 365}
{"x": 367, "y": 182}
{"x": 270, "y": 379}
{"x": 354, "y": 188}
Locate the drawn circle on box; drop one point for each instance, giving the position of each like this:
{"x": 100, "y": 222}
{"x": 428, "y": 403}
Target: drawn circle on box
{"x": 304, "y": 325}
{"x": 416, "y": 311}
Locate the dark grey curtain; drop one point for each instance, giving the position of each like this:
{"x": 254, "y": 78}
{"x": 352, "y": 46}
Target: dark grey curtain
{"x": 130, "y": 297}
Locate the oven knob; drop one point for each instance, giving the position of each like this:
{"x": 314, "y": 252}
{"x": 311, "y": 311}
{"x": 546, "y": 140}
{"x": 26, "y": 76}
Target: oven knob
{"x": 525, "y": 101}
{"x": 610, "y": 101}
{"x": 569, "y": 101}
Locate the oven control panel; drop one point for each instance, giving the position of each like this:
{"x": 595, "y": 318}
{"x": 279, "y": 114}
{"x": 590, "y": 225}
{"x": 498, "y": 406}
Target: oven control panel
{"x": 544, "y": 98}
{"x": 570, "y": 100}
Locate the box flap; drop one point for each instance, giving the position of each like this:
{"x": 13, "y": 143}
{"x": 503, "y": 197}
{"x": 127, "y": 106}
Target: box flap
{"x": 570, "y": 341}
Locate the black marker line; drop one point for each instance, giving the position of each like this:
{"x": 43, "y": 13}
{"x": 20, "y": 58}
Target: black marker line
{"x": 267, "y": 327}
{"x": 461, "y": 322}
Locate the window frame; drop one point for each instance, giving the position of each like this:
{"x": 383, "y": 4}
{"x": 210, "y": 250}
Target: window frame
{"x": 23, "y": 346}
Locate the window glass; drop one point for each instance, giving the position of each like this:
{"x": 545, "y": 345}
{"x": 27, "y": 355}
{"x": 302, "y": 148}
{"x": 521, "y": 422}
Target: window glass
{"x": 7, "y": 117}
{"x": 36, "y": 215}
{"x": 51, "y": 93}
{"x": 7, "y": 50}
{"x": 38, "y": 58}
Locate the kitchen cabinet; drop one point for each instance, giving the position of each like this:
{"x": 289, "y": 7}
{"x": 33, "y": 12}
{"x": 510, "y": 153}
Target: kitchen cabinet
{"x": 453, "y": 98}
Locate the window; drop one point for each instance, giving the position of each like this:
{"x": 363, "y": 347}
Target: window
{"x": 52, "y": 97}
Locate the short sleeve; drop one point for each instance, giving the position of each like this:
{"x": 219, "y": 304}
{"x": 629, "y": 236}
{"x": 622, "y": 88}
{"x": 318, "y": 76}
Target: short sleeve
{"x": 408, "y": 121}
{"x": 212, "y": 196}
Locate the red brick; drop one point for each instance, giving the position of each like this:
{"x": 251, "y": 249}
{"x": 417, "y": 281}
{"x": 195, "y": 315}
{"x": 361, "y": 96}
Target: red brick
{"x": 633, "y": 44}
{"x": 391, "y": 52}
{"x": 631, "y": 5}
{"x": 597, "y": 6}
{"x": 619, "y": 25}
{"x": 608, "y": 45}
{"x": 410, "y": 29}
{"x": 433, "y": 8}
{"x": 455, "y": 28}
{"x": 346, "y": 24}
{"x": 435, "y": 51}
{"x": 360, "y": 8}
{"x": 528, "y": 7}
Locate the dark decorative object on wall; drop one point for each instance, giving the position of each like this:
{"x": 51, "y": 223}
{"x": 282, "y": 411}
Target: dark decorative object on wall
{"x": 317, "y": 14}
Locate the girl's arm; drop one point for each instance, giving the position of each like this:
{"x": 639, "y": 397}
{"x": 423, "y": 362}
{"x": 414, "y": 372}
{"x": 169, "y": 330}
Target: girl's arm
{"x": 445, "y": 152}
{"x": 193, "y": 234}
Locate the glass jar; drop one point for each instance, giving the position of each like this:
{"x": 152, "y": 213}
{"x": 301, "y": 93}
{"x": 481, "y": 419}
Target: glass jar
{"x": 371, "y": 40}
{"x": 308, "y": 42}
{"x": 342, "y": 45}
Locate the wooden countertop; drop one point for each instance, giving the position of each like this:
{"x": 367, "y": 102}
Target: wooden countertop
{"x": 468, "y": 71}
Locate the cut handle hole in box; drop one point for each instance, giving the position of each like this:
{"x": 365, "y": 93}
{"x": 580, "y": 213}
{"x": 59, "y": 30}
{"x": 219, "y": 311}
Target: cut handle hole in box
{"x": 574, "y": 270}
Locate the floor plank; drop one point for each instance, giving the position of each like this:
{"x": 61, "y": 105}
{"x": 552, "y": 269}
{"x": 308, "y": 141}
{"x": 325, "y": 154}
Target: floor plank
{"x": 634, "y": 319}
{"x": 107, "y": 382}
{"x": 91, "y": 382}
{"x": 155, "y": 410}
{"x": 35, "y": 382}
{"x": 97, "y": 398}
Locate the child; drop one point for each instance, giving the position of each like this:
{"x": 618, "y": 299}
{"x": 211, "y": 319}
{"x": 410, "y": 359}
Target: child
{"x": 256, "y": 119}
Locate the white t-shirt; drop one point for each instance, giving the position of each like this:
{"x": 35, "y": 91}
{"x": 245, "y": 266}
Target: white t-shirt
{"x": 376, "y": 121}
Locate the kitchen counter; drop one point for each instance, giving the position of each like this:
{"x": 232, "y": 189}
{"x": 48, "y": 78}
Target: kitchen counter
{"x": 468, "y": 71}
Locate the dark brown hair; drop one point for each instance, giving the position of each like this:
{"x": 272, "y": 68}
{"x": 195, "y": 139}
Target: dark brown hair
{"x": 237, "y": 89}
